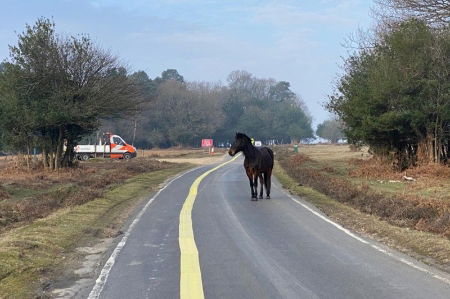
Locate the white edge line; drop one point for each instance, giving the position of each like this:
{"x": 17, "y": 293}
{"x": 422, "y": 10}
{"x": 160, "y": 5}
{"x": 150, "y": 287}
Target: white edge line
{"x": 338, "y": 226}
{"x": 103, "y": 277}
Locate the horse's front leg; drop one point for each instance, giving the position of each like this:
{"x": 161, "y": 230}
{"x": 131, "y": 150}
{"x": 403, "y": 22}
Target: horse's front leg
{"x": 250, "y": 179}
{"x": 255, "y": 184}
{"x": 261, "y": 181}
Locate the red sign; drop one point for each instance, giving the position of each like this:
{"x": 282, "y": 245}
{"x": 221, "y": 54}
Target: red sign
{"x": 207, "y": 142}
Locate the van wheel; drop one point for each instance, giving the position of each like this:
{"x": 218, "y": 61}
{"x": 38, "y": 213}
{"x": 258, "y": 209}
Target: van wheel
{"x": 85, "y": 157}
{"x": 127, "y": 156}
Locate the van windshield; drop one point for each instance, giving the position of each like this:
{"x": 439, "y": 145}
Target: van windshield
{"x": 118, "y": 140}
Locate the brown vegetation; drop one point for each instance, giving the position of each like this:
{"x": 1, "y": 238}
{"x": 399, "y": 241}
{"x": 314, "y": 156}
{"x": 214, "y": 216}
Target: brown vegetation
{"x": 423, "y": 205}
{"x": 31, "y": 194}
{"x": 175, "y": 152}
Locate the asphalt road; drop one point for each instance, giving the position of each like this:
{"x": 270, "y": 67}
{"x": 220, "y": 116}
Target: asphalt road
{"x": 276, "y": 248}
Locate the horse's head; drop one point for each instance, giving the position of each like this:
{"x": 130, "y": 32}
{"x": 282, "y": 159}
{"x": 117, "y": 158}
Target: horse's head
{"x": 240, "y": 142}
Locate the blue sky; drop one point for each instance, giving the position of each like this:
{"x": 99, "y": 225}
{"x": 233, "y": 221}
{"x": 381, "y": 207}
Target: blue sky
{"x": 296, "y": 41}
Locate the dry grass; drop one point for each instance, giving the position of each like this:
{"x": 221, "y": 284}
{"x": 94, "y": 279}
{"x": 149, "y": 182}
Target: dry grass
{"x": 195, "y": 156}
{"x": 28, "y": 195}
{"x": 179, "y": 153}
{"x": 325, "y": 152}
{"x": 373, "y": 187}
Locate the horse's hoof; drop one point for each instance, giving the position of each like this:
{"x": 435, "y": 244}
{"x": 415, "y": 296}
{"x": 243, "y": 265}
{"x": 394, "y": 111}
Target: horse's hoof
{"x": 254, "y": 199}
{"x": 268, "y": 197}
{"x": 260, "y": 197}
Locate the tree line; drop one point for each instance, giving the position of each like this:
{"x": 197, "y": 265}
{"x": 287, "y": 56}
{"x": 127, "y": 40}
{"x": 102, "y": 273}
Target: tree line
{"x": 182, "y": 113}
{"x": 394, "y": 95}
{"x": 57, "y": 90}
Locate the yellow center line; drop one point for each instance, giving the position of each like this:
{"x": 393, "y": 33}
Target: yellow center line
{"x": 190, "y": 275}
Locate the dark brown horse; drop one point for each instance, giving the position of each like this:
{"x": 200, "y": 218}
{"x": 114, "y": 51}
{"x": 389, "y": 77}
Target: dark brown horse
{"x": 258, "y": 163}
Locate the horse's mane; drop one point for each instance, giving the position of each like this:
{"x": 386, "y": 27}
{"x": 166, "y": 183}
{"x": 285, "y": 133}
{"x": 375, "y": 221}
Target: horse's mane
{"x": 242, "y": 136}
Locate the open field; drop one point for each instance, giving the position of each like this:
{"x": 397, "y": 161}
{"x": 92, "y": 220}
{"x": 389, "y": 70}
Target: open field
{"x": 358, "y": 167}
{"x": 367, "y": 195}
{"x": 180, "y": 155}
{"x": 179, "y": 152}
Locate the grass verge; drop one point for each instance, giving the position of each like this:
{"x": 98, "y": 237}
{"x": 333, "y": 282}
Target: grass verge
{"x": 30, "y": 256}
{"x": 427, "y": 247}
{"x": 26, "y": 195}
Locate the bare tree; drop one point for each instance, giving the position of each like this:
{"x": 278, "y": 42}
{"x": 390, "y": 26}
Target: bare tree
{"x": 435, "y": 12}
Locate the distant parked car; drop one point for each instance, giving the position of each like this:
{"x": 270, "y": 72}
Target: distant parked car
{"x": 258, "y": 143}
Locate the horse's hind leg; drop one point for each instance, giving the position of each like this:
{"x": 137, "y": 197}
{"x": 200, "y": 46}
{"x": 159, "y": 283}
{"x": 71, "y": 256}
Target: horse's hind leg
{"x": 255, "y": 185}
{"x": 268, "y": 182}
{"x": 261, "y": 190}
